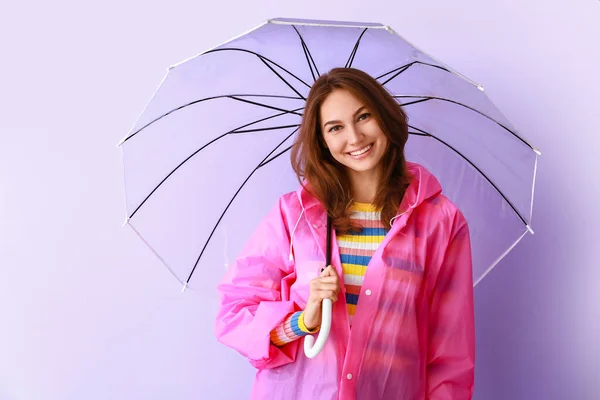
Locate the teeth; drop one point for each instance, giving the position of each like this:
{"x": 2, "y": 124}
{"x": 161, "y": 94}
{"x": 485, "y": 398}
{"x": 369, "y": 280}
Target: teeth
{"x": 359, "y": 152}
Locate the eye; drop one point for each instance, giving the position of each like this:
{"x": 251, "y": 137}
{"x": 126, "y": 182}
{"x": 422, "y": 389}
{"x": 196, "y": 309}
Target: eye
{"x": 364, "y": 116}
{"x": 335, "y": 128}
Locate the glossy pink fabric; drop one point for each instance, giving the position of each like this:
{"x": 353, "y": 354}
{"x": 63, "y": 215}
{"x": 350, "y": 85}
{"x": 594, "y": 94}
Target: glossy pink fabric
{"x": 412, "y": 336}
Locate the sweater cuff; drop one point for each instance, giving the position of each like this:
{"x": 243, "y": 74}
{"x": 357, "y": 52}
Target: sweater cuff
{"x": 291, "y": 329}
{"x": 303, "y": 327}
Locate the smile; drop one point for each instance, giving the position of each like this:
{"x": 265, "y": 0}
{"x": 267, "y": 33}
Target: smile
{"x": 361, "y": 151}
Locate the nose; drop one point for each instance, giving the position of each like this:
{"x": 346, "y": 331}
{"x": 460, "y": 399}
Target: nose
{"x": 355, "y": 136}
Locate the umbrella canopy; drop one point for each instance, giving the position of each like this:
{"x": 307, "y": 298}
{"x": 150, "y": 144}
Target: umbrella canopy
{"x": 209, "y": 154}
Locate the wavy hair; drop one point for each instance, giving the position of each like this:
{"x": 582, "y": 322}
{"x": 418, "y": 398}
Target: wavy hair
{"x": 326, "y": 178}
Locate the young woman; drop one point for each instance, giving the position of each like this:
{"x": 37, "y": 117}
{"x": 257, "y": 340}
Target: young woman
{"x": 400, "y": 279}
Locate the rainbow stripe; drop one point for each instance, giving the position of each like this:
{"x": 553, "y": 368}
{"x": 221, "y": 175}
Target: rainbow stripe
{"x": 356, "y": 250}
{"x": 292, "y": 328}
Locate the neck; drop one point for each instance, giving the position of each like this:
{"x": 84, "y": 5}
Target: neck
{"x": 364, "y": 185}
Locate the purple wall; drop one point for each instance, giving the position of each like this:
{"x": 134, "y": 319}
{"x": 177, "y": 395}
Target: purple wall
{"x": 88, "y": 312}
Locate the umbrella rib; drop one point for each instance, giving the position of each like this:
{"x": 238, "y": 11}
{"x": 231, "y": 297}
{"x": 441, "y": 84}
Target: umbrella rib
{"x": 424, "y": 133}
{"x": 427, "y": 98}
{"x": 261, "y": 57}
{"x": 307, "y": 55}
{"x": 196, "y": 152}
{"x": 265, "y": 105}
{"x": 231, "y": 202}
{"x": 412, "y": 102}
{"x": 231, "y": 96}
{"x": 281, "y": 77}
{"x": 274, "y": 157}
{"x": 405, "y": 67}
{"x": 271, "y": 128}
{"x": 354, "y": 50}
{"x": 392, "y": 71}
{"x": 401, "y": 70}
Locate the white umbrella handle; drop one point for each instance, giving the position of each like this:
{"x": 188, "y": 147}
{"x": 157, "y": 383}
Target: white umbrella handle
{"x": 312, "y": 348}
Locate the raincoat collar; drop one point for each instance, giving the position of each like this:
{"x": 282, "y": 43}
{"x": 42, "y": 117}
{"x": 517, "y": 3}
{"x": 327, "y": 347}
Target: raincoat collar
{"x": 423, "y": 186}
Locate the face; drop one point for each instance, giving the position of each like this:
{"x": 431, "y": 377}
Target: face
{"x": 352, "y": 134}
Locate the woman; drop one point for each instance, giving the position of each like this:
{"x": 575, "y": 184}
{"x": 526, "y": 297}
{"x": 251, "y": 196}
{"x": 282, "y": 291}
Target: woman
{"x": 400, "y": 279}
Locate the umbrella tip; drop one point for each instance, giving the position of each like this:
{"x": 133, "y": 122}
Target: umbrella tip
{"x": 121, "y": 142}
{"x": 480, "y": 88}
{"x": 539, "y": 153}
{"x": 530, "y": 230}
{"x": 126, "y": 222}
{"x": 184, "y": 287}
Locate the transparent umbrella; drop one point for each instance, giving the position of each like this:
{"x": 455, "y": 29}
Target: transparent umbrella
{"x": 208, "y": 156}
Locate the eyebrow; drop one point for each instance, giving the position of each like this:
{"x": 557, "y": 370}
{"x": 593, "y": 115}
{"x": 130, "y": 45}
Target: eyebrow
{"x": 337, "y": 121}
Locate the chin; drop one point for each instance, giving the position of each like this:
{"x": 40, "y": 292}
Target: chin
{"x": 362, "y": 168}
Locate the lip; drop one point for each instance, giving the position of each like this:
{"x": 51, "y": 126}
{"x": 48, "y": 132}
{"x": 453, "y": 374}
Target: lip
{"x": 363, "y": 154}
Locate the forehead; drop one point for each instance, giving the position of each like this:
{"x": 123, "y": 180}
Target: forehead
{"x": 340, "y": 104}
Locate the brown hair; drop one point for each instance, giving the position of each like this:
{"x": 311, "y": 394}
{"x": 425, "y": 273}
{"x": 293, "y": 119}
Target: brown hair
{"x": 327, "y": 179}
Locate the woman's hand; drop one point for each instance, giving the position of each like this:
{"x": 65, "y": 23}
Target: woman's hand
{"x": 326, "y": 286}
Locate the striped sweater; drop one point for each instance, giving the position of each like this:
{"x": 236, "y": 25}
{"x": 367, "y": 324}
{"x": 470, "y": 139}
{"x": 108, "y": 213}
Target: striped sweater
{"x": 356, "y": 250}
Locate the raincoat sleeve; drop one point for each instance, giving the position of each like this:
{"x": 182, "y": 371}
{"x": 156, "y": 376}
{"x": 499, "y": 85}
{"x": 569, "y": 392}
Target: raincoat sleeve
{"x": 451, "y": 355}
{"x": 254, "y": 295}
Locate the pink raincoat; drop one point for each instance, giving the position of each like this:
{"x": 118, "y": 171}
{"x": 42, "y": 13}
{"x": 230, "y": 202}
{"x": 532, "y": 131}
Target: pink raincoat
{"x": 412, "y": 336}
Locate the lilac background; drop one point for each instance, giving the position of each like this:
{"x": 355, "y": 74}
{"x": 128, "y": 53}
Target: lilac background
{"x": 87, "y": 311}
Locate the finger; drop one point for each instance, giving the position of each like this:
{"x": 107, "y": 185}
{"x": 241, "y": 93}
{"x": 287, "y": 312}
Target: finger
{"x": 328, "y": 271}
{"x": 329, "y": 279}
{"x": 327, "y": 267}
{"x": 318, "y": 285}
{"x": 327, "y": 286}
{"x": 325, "y": 279}
{"x": 331, "y": 271}
{"x": 328, "y": 294}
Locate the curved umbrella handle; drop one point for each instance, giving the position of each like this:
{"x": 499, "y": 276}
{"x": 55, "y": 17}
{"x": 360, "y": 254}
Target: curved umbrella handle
{"x": 312, "y": 348}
